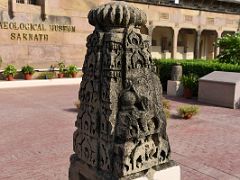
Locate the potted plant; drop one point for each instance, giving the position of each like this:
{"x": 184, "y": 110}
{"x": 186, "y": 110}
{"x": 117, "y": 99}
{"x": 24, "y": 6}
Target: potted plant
{"x": 10, "y": 71}
{"x": 62, "y": 69}
{"x": 187, "y": 111}
{"x": 72, "y": 70}
{"x": 189, "y": 83}
{"x": 28, "y": 71}
{"x": 166, "y": 107}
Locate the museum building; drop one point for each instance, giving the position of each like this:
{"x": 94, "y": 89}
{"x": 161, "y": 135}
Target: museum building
{"x": 42, "y": 32}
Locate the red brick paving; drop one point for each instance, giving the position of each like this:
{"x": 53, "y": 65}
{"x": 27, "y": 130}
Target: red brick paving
{"x": 36, "y": 127}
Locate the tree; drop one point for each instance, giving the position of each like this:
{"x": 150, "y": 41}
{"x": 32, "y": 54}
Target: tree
{"x": 230, "y": 49}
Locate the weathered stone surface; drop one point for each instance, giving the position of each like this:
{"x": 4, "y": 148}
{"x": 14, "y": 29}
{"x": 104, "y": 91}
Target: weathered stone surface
{"x": 121, "y": 127}
{"x": 176, "y": 73}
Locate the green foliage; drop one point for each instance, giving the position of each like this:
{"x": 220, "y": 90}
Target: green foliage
{"x": 197, "y": 67}
{"x": 28, "y": 69}
{"x": 187, "y": 111}
{"x": 166, "y": 107}
{"x": 190, "y": 81}
{"x": 166, "y": 104}
{"x": 230, "y": 49}
{"x": 46, "y": 75}
{"x": 1, "y": 61}
{"x": 10, "y": 69}
{"x": 61, "y": 66}
{"x": 72, "y": 69}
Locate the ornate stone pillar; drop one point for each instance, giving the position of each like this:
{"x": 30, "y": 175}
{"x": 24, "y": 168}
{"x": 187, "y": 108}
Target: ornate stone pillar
{"x": 121, "y": 126}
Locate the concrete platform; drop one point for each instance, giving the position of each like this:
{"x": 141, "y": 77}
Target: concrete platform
{"x": 39, "y": 82}
{"x": 172, "y": 173}
{"x": 220, "y": 88}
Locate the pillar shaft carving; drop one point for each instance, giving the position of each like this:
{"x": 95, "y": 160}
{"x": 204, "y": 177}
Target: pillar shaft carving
{"x": 121, "y": 126}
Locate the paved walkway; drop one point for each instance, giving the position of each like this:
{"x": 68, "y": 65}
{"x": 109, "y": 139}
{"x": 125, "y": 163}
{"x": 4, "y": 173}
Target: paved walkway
{"x": 36, "y": 127}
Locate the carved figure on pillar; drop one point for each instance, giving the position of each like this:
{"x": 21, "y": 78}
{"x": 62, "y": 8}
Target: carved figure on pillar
{"x": 121, "y": 126}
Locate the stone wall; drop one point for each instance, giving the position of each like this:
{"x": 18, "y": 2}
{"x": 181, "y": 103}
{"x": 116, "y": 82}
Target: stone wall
{"x": 71, "y": 46}
{"x": 42, "y": 47}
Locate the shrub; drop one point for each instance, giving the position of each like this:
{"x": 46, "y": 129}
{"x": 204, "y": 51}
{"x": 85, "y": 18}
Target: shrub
{"x": 166, "y": 104}
{"x": 197, "y": 67}
{"x": 1, "y": 61}
{"x": 10, "y": 70}
{"x": 166, "y": 107}
{"x": 46, "y": 75}
{"x": 187, "y": 111}
{"x": 230, "y": 49}
{"x": 72, "y": 69}
{"x": 61, "y": 66}
{"x": 190, "y": 81}
{"x": 28, "y": 69}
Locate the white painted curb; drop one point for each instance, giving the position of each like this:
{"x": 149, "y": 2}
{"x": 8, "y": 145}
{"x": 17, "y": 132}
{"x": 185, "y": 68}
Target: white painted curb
{"x": 38, "y": 83}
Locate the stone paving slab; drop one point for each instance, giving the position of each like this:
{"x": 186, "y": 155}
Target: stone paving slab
{"x": 36, "y": 127}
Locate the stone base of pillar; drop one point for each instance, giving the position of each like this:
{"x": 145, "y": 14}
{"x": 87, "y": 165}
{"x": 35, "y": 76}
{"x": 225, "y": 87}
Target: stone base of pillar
{"x": 174, "y": 88}
{"x": 80, "y": 171}
{"x": 172, "y": 173}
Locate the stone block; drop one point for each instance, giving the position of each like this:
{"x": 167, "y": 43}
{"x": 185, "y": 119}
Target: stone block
{"x": 174, "y": 88}
{"x": 172, "y": 173}
{"x": 220, "y": 88}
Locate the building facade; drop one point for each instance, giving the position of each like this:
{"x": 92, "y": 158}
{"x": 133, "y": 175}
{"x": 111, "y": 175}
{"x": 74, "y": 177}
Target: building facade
{"x": 42, "y": 32}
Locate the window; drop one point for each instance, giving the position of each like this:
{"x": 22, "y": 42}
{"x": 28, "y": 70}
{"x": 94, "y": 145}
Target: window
{"x": 20, "y": 1}
{"x": 32, "y": 2}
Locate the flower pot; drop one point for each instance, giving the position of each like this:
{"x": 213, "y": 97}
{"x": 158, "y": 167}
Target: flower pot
{"x": 27, "y": 76}
{"x": 187, "y": 93}
{"x": 60, "y": 75}
{"x": 74, "y": 75}
{"x": 187, "y": 116}
{"x": 10, "y": 77}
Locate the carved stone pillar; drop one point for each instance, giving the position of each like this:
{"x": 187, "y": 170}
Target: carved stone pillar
{"x": 217, "y": 51}
{"x": 121, "y": 126}
{"x": 12, "y": 8}
{"x": 198, "y": 41}
{"x": 175, "y": 41}
{"x": 44, "y": 10}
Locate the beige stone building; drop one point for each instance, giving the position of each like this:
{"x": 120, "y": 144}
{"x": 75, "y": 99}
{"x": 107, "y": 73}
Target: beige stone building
{"x": 42, "y": 32}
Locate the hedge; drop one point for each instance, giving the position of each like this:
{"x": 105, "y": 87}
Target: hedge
{"x": 198, "y": 67}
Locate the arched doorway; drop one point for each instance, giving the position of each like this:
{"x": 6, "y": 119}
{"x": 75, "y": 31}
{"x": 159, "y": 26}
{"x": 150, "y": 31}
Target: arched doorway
{"x": 224, "y": 33}
{"x": 186, "y": 43}
{"x": 208, "y": 44}
{"x": 162, "y": 42}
